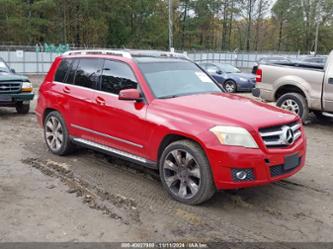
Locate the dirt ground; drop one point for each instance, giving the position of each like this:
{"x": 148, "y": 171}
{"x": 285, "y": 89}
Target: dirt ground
{"x": 88, "y": 196}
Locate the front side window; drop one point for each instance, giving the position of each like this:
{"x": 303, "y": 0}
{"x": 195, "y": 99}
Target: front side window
{"x": 88, "y": 72}
{"x": 176, "y": 78}
{"x": 117, "y": 76}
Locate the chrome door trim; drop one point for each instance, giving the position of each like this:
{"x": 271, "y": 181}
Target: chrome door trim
{"x": 107, "y": 136}
{"x": 110, "y": 149}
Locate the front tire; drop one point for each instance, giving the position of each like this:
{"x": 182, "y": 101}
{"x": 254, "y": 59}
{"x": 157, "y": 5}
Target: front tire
{"x": 22, "y": 108}
{"x": 295, "y": 103}
{"x": 56, "y": 134}
{"x": 185, "y": 173}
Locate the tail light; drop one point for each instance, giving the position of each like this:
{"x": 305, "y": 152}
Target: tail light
{"x": 259, "y": 75}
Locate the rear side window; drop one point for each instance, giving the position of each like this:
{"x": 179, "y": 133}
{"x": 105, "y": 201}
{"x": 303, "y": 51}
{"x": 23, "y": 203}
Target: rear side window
{"x": 62, "y": 70}
{"x": 117, "y": 76}
{"x": 88, "y": 73}
{"x": 71, "y": 74}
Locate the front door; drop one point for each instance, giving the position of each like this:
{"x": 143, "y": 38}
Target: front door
{"x": 119, "y": 124}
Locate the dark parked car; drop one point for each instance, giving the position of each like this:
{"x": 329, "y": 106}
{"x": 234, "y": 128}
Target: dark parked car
{"x": 271, "y": 60}
{"x": 15, "y": 90}
{"x": 231, "y": 78}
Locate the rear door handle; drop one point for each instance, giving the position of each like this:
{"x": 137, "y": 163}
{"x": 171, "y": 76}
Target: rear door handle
{"x": 330, "y": 81}
{"x": 100, "y": 100}
{"x": 66, "y": 89}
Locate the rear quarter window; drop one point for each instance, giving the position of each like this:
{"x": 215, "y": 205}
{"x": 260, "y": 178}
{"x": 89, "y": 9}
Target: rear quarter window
{"x": 62, "y": 70}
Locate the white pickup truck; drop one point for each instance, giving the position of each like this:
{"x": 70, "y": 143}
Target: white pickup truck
{"x": 298, "y": 88}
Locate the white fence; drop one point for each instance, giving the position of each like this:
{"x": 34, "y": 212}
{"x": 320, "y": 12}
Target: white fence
{"x": 244, "y": 60}
{"x": 28, "y": 62}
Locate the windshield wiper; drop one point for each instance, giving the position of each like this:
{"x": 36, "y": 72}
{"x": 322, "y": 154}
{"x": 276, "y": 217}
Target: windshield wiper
{"x": 169, "y": 97}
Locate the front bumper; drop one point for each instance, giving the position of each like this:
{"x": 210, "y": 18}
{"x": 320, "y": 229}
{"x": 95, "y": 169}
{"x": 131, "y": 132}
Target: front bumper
{"x": 11, "y": 99}
{"x": 266, "y": 166}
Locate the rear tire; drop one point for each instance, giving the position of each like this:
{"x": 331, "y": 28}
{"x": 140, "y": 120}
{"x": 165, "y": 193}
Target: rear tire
{"x": 295, "y": 103}
{"x": 185, "y": 173}
{"x": 230, "y": 86}
{"x": 56, "y": 134}
{"x": 22, "y": 108}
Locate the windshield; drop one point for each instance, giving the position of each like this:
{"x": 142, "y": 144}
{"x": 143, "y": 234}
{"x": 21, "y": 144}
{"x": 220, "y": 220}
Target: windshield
{"x": 227, "y": 68}
{"x": 169, "y": 79}
{"x": 3, "y": 67}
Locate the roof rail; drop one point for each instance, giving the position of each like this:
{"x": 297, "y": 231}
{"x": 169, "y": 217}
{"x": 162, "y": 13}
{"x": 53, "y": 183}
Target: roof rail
{"x": 98, "y": 51}
{"x": 156, "y": 53}
{"x": 128, "y": 53}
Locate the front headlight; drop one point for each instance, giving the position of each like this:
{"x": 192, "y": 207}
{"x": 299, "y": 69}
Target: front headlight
{"x": 27, "y": 87}
{"x": 243, "y": 79}
{"x": 236, "y": 136}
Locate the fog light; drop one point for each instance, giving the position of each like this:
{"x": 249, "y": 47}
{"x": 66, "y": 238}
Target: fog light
{"x": 244, "y": 174}
{"x": 241, "y": 175}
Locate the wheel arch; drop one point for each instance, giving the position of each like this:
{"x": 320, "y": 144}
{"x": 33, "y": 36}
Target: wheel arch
{"x": 173, "y": 137}
{"x": 289, "y": 88}
{"x": 46, "y": 112}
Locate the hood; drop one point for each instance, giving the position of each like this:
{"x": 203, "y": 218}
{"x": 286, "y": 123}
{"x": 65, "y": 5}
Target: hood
{"x": 12, "y": 77}
{"x": 243, "y": 75}
{"x": 223, "y": 109}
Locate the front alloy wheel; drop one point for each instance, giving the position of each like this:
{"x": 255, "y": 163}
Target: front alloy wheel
{"x": 185, "y": 172}
{"x": 182, "y": 174}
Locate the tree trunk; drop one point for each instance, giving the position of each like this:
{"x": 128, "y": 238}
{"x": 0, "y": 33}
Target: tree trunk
{"x": 248, "y": 36}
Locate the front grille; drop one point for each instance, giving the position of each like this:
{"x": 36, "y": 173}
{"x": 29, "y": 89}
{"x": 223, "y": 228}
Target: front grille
{"x": 281, "y": 136}
{"x": 10, "y": 87}
{"x": 249, "y": 175}
{"x": 279, "y": 170}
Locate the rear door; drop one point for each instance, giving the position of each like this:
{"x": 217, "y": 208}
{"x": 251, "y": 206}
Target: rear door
{"x": 328, "y": 86}
{"x": 85, "y": 75}
{"x": 57, "y": 94}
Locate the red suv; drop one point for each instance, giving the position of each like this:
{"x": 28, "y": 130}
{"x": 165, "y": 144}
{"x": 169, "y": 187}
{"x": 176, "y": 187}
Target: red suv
{"x": 161, "y": 110}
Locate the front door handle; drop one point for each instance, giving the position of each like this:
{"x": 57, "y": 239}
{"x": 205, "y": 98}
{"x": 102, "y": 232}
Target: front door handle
{"x": 330, "y": 81}
{"x": 100, "y": 100}
{"x": 66, "y": 89}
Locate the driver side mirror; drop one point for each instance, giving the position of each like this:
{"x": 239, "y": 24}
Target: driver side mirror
{"x": 130, "y": 95}
{"x": 12, "y": 70}
{"x": 219, "y": 71}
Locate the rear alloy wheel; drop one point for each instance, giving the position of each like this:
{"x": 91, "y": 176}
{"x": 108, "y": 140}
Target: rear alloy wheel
{"x": 22, "y": 108}
{"x": 56, "y": 134}
{"x": 230, "y": 86}
{"x": 294, "y": 102}
{"x": 185, "y": 173}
